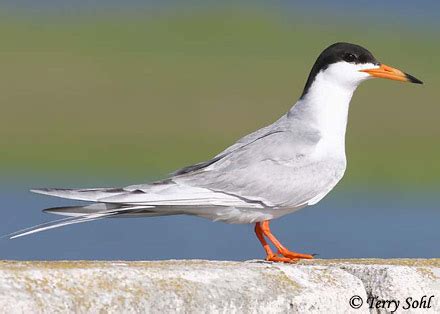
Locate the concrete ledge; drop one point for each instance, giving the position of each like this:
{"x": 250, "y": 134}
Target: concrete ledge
{"x": 324, "y": 286}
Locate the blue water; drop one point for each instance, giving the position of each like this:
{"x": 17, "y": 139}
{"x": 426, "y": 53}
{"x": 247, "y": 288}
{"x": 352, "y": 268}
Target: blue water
{"x": 350, "y": 222}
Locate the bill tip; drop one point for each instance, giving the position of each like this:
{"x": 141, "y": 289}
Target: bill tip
{"x": 412, "y": 79}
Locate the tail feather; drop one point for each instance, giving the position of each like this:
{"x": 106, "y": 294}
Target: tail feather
{"x": 78, "y": 211}
{"x": 82, "y": 210}
{"x": 92, "y": 195}
{"x": 74, "y": 220}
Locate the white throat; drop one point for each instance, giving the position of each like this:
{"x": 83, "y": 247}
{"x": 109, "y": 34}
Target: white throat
{"x": 325, "y": 105}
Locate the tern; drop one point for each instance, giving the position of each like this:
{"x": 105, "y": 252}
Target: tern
{"x": 288, "y": 165}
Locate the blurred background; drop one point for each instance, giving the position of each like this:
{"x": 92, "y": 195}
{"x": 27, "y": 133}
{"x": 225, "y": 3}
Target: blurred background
{"x": 111, "y": 93}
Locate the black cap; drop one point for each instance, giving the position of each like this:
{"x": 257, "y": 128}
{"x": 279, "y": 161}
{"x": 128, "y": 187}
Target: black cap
{"x": 339, "y": 52}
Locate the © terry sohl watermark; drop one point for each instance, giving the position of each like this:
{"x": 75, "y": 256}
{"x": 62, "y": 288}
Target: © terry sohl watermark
{"x": 375, "y": 302}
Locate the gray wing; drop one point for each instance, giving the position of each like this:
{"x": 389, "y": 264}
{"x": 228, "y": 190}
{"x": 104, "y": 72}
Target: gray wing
{"x": 241, "y": 143}
{"x": 275, "y": 169}
{"x": 272, "y": 167}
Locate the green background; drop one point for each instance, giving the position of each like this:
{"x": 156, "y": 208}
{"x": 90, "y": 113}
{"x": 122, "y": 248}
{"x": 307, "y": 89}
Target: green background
{"x": 138, "y": 95}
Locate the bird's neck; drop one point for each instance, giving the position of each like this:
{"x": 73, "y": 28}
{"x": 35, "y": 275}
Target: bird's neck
{"x": 325, "y": 108}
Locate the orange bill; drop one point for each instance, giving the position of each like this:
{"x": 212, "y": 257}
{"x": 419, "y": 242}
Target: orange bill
{"x": 387, "y": 72}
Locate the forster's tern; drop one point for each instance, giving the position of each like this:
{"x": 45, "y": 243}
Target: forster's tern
{"x": 288, "y": 165}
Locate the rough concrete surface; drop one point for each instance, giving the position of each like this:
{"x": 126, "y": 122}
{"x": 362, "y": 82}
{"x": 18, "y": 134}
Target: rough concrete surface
{"x": 197, "y": 286}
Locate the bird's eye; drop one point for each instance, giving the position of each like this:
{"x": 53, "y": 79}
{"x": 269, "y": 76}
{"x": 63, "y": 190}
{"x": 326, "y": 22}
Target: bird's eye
{"x": 349, "y": 57}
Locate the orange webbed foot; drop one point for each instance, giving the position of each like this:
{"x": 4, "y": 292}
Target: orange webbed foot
{"x": 295, "y": 255}
{"x": 278, "y": 259}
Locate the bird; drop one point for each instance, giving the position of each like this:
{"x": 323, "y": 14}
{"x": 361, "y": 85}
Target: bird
{"x": 288, "y": 165}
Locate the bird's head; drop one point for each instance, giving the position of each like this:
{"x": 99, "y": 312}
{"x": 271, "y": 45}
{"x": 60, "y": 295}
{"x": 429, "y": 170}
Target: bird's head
{"x": 347, "y": 65}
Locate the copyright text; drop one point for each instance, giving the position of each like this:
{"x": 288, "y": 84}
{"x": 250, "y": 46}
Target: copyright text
{"x": 390, "y": 305}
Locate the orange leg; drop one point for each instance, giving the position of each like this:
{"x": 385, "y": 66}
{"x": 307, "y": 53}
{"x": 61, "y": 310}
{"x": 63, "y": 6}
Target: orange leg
{"x": 270, "y": 256}
{"x": 262, "y": 229}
